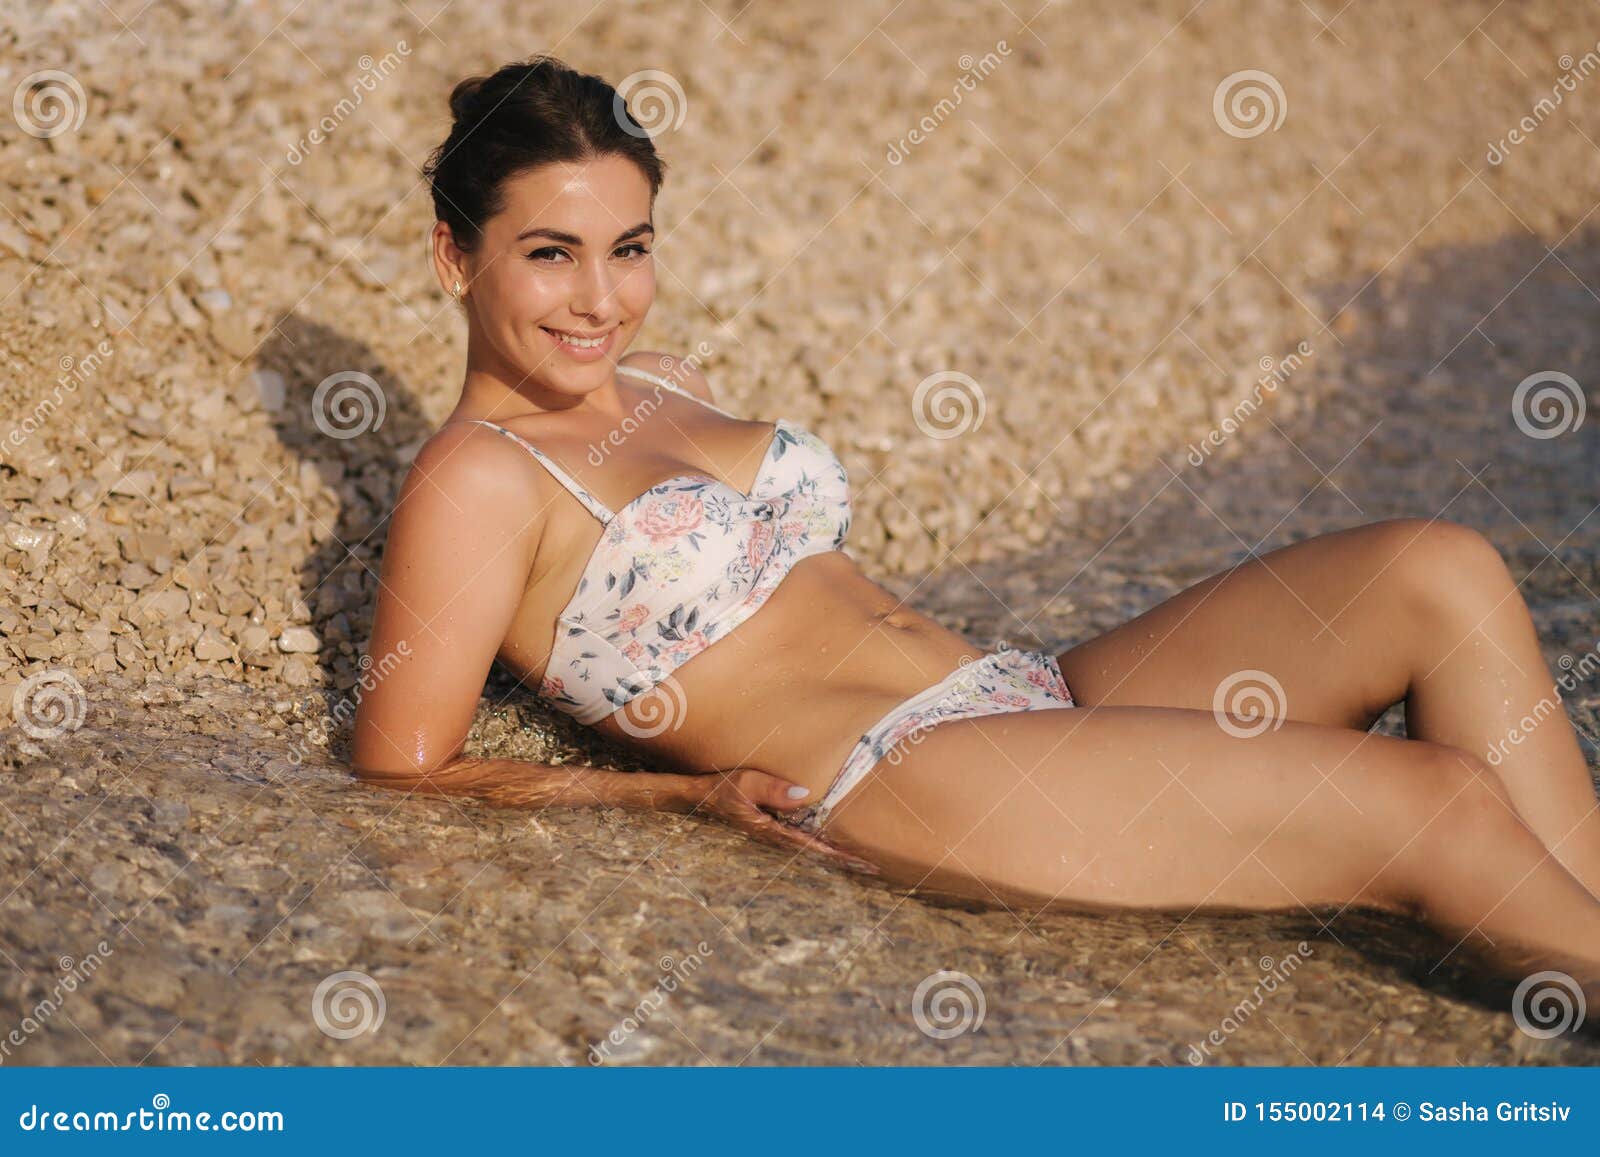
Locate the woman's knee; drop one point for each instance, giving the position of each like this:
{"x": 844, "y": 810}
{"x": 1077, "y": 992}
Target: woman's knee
{"x": 1453, "y": 820}
{"x": 1445, "y": 566}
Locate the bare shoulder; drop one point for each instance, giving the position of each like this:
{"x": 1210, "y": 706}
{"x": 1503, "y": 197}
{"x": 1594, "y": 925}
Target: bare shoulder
{"x": 467, "y": 467}
{"x": 470, "y": 456}
{"x": 682, "y": 372}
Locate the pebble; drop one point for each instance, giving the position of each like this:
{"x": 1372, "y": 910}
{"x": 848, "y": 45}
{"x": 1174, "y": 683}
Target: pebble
{"x": 170, "y": 535}
{"x": 271, "y": 389}
{"x": 138, "y": 484}
{"x": 233, "y": 333}
{"x": 21, "y": 537}
{"x": 212, "y": 646}
{"x": 299, "y": 640}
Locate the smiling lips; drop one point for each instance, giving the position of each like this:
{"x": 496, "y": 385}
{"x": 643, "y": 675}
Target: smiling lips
{"x": 584, "y": 348}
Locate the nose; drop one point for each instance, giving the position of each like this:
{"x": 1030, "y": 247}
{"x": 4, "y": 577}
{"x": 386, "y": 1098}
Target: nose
{"x": 591, "y": 294}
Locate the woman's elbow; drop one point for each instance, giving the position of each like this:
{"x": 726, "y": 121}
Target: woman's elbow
{"x": 435, "y": 776}
{"x": 390, "y": 777}
{"x": 378, "y": 760}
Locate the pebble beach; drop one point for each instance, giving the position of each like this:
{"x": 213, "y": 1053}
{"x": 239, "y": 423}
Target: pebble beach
{"x": 1101, "y": 227}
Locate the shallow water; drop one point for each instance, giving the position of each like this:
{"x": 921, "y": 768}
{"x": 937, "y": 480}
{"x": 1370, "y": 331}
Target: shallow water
{"x": 238, "y": 881}
{"x": 236, "y": 877}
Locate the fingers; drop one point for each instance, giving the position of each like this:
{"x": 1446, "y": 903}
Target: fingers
{"x": 769, "y": 790}
{"x": 751, "y": 790}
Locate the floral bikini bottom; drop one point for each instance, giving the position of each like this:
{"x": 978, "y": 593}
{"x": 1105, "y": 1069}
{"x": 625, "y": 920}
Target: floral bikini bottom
{"x": 1003, "y": 680}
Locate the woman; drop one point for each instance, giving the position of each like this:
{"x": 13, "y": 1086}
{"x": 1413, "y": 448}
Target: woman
{"x": 676, "y": 577}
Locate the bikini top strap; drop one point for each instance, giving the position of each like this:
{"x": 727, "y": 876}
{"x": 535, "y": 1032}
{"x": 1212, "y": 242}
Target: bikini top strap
{"x": 671, "y": 385}
{"x": 593, "y": 504}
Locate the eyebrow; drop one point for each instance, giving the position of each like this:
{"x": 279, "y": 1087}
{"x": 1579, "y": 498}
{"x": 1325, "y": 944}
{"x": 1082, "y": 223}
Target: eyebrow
{"x": 572, "y": 239}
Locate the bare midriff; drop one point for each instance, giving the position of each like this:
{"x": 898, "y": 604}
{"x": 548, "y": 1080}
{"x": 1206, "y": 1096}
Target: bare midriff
{"x": 789, "y": 690}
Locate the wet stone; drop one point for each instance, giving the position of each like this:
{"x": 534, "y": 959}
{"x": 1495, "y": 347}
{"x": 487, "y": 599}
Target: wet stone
{"x": 186, "y": 540}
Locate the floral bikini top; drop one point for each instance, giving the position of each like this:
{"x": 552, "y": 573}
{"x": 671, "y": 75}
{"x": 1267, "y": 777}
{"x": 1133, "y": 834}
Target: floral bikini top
{"x": 685, "y": 563}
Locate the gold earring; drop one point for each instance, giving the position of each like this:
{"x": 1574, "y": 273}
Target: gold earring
{"x": 457, "y": 289}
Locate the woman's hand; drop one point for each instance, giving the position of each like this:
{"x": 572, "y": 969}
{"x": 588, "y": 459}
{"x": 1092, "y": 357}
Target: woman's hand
{"x": 738, "y": 796}
{"x": 735, "y": 796}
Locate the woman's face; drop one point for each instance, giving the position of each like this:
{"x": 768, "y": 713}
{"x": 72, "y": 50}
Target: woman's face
{"x": 570, "y": 254}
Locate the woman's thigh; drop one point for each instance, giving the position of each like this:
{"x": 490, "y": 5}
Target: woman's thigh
{"x": 1152, "y": 807}
{"x": 1321, "y": 631}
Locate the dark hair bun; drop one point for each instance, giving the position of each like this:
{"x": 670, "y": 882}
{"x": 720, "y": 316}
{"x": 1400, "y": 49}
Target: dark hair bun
{"x": 464, "y": 95}
{"x": 526, "y": 114}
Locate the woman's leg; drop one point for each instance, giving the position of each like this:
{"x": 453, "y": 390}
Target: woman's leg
{"x": 1347, "y": 624}
{"x": 1157, "y": 807}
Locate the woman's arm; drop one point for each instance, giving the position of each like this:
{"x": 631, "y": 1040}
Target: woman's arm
{"x": 461, "y": 545}
{"x": 462, "y": 539}
{"x": 520, "y": 783}
{"x": 736, "y": 797}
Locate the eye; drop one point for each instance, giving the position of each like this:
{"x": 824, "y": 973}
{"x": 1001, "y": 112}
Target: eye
{"x": 633, "y": 251}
